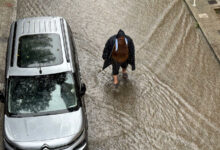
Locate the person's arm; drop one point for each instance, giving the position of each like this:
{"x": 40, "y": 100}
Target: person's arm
{"x": 132, "y": 53}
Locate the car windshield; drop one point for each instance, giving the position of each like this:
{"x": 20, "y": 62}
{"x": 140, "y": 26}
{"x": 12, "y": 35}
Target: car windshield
{"x": 39, "y": 50}
{"x": 40, "y": 94}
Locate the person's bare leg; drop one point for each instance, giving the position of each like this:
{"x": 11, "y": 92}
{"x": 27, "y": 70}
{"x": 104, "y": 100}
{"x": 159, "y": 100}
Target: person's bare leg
{"x": 124, "y": 70}
{"x": 115, "y": 77}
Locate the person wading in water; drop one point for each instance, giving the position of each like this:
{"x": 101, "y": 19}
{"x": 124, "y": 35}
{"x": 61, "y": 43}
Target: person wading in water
{"x": 119, "y": 51}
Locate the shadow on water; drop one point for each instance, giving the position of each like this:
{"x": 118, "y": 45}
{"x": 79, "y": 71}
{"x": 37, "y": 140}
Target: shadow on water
{"x": 126, "y": 88}
{"x": 124, "y": 97}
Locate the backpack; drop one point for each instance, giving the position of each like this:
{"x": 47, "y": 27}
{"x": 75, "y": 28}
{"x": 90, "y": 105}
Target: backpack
{"x": 120, "y": 52}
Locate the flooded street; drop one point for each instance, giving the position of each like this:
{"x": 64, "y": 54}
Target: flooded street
{"x": 171, "y": 100}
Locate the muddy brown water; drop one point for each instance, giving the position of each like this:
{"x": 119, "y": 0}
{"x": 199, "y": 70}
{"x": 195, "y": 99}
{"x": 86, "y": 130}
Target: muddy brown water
{"x": 171, "y": 100}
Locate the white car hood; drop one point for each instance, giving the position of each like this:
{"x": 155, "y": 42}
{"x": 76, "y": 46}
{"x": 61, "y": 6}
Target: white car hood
{"x": 56, "y": 130}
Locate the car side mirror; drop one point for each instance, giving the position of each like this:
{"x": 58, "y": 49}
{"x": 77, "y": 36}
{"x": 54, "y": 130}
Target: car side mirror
{"x": 2, "y": 97}
{"x": 83, "y": 89}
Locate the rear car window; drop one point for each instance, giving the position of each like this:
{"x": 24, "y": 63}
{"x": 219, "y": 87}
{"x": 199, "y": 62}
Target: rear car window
{"x": 39, "y": 50}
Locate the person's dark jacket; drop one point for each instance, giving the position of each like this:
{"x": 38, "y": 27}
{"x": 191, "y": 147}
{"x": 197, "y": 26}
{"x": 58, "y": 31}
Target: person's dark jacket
{"x": 109, "y": 47}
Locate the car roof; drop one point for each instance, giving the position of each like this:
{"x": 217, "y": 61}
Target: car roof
{"x": 36, "y": 25}
{"x": 39, "y": 25}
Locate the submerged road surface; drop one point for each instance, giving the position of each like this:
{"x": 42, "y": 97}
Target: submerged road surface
{"x": 171, "y": 100}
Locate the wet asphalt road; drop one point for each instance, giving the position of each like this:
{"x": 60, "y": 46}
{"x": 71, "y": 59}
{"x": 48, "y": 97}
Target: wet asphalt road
{"x": 171, "y": 100}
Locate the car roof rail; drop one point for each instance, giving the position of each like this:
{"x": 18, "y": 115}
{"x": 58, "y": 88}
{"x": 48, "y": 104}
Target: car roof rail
{"x": 13, "y": 45}
{"x": 64, "y": 41}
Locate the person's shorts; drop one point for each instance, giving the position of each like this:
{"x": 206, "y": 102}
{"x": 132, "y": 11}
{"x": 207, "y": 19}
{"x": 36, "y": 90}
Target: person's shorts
{"x": 116, "y": 66}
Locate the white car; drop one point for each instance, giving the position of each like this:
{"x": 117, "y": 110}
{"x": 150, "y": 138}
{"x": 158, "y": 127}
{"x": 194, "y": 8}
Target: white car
{"x": 43, "y": 94}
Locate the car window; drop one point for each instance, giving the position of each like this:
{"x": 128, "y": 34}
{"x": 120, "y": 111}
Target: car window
{"x": 39, "y": 94}
{"x": 39, "y": 50}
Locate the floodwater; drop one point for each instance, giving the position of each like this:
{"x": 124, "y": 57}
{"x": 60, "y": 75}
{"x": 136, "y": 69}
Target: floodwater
{"x": 171, "y": 100}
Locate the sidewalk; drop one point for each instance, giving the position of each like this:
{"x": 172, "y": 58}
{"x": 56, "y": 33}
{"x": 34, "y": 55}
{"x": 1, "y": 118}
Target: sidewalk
{"x": 7, "y": 15}
{"x": 204, "y": 12}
